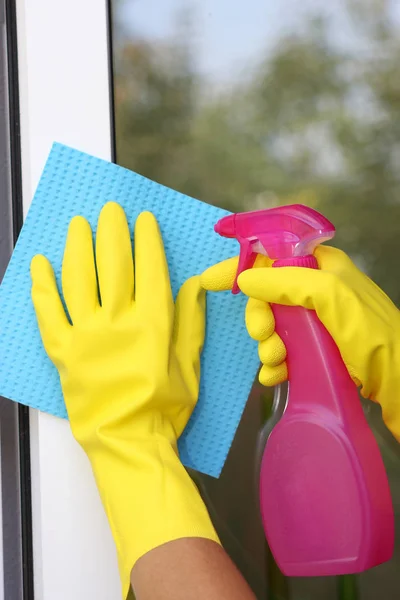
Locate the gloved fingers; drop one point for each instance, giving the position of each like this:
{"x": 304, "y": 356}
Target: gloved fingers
{"x": 189, "y": 326}
{"x": 291, "y": 286}
{"x": 260, "y": 320}
{"x": 333, "y": 259}
{"x": 79, "y": 282}
{"x": 50, "y": 314}
{"x": 152, "y": 283}
{"x": 270, "y": 376}
{"x": 221, "y": 276}
{"x": 114, "y": 259}
{"x": 272, "y": 351}
{"x": 262, "y": 262}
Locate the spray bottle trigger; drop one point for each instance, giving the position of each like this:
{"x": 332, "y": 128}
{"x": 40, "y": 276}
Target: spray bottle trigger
{"x": 246, "y": 260}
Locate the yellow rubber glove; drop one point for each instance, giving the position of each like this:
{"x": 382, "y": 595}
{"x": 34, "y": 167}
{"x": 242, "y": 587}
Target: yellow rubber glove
{"x": 362, "y": 320}
{"x": 129, "y": 370}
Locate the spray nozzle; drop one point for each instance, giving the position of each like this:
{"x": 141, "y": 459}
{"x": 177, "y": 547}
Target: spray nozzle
{"x": 284, "y": 232}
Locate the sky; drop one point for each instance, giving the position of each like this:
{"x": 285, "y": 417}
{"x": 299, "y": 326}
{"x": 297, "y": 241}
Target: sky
{"x": 230, "y": 34}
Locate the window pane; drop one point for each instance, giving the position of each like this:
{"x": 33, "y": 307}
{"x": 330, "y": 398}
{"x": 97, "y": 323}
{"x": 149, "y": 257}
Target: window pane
{"x": 248, "y": 105}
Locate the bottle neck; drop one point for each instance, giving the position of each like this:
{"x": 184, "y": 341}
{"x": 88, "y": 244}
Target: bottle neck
{"x": 309, "y": 262}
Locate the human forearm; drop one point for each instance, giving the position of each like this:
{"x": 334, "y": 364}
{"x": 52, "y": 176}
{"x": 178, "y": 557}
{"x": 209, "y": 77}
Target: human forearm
{"x": 188, "y": 569}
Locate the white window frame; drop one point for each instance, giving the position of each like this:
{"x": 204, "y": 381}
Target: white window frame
{"x": 64, "y": 82}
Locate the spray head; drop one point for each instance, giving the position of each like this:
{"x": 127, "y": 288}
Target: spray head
{"x": 284, "y": 232}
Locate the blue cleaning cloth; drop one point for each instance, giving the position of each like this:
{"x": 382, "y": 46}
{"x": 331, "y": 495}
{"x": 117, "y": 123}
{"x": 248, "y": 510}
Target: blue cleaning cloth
{"x": 75, "y": 183}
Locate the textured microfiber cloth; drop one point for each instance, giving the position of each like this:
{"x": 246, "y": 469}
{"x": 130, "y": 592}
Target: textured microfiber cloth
{"x": 75, "y": 183}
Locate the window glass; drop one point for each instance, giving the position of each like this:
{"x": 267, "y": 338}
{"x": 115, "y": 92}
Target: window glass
{"x": 249, "y": 105}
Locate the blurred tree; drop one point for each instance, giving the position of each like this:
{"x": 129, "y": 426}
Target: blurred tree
{"x": 312, "y": 122}
{"x": 155, "y": 108}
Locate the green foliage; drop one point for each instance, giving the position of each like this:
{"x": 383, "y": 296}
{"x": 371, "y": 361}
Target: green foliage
{"x": 311, "y": 122}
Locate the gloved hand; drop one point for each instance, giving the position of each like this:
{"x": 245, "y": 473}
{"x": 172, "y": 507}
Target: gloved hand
{"x": 362, "y": 320}
{"x": 129, "y": 369}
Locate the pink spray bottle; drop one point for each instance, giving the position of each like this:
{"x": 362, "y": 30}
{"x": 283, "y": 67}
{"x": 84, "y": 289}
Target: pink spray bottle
{"x": 324, "y": 495}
